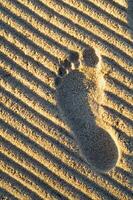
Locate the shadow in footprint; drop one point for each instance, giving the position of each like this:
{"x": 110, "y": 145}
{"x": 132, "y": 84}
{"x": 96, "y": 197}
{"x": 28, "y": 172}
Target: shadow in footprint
{"x": 89, "y": 57}
{"x": 96, "y": 145}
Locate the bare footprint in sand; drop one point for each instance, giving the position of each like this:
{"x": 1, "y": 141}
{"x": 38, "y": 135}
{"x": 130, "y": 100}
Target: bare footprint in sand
{"x": 74, "y": 94}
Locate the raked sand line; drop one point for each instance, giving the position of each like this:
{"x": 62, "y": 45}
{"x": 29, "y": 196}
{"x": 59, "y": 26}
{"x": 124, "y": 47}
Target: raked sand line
{"x": 6, "y": 195}
{"x": 79, "y": 102}
{"x": 35, "y": 35}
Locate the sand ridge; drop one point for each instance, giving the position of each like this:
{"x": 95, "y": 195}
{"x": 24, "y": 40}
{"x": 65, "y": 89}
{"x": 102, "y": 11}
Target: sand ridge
{"x": 39, "y": 158}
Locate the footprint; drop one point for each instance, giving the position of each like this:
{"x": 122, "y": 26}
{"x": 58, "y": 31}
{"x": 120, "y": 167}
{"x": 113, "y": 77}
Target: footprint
{"x": 75, "y": 99}
{"x": 89, "y": 57}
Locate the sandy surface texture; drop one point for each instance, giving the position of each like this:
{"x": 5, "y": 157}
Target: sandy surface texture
{"x": 66, "y": 100}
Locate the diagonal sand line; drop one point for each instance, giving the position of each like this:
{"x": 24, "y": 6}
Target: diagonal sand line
{"x": 89, "y": 24}
{"x": 73, "y": 30}
{"x": 15, "y": 188}
{"x": 26, "y": 179}
{"x": 20, "y": 144}
{"x": 27, "y": 78}
{"x": 89, "y": 183}
{"x": 50, "y": 178}
{"x": 111, "y": 7}
{"x": 29, "y": 60}
{"x": 5, "y": 194}
{"x": 101, "y": 18}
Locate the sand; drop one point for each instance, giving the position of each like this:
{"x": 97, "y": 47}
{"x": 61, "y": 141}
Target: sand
{"x": 73, "y": 140}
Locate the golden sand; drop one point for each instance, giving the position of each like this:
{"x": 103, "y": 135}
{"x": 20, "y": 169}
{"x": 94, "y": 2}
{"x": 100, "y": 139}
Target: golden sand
{"x": 73, "y": 141}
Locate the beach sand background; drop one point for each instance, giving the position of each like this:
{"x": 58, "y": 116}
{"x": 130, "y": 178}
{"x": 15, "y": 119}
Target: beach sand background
{"x": 39, "y": 158}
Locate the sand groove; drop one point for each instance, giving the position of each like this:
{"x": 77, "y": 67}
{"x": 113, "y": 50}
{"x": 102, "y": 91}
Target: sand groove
{"x": 56, "y": 136}
{"x": 96, "y": 15}
{"x": 39, "y": 158}
{"x": 117, "y": 72}
{"x": 27, "y": 147}
{"x": 6, "y": 195}
{"x": 61, "y": 21}
{"x": 47, "y": 126}
{"x": 26, "y": 78}
{"x": 20, "y": 145}
{"x": 27, "y": 179}
{"x": 16, "y": 188}
{"x": 86, "y": 24}
{"x": 30, "y": 31}
{"x": 112, "y": 8}
{"x": 75, "y": 31}
{"x": 41, "y": 104}
{"x": 40, "y": 171}
{"x": 46, "y": 162}
{"x": 53, "y": 5}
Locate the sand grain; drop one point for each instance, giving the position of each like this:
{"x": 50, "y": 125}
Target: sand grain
{"x": 39, "y": 158}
